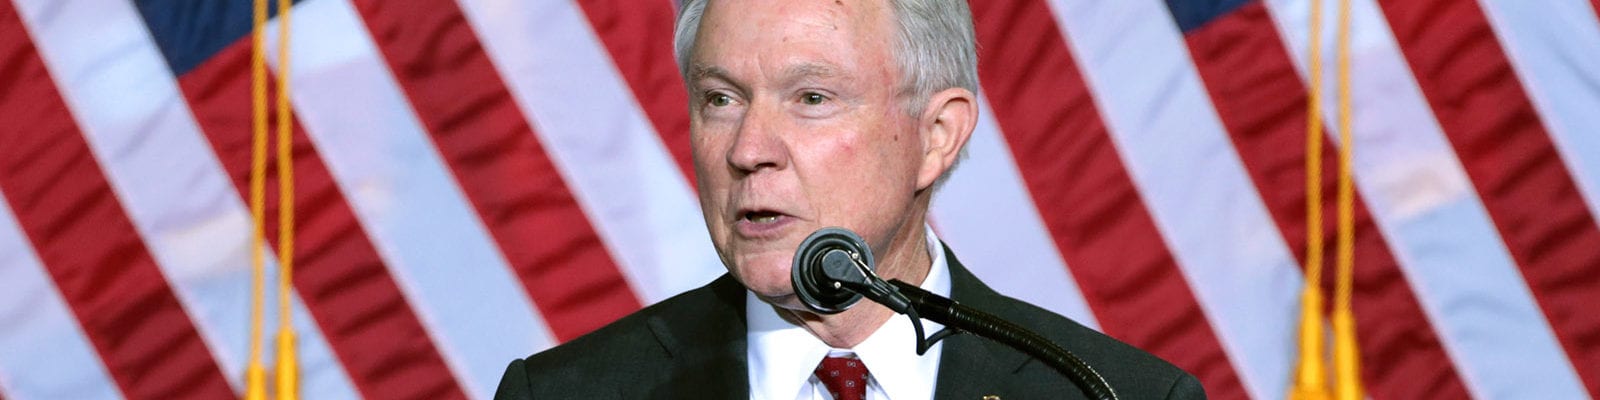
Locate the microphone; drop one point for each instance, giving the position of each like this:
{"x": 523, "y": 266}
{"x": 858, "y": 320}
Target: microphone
{"x": 833, "y": 270}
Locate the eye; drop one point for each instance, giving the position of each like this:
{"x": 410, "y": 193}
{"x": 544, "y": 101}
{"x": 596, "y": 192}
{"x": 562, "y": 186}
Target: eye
{"x": 718, "y": 99}
{"x": 812, "y": 98}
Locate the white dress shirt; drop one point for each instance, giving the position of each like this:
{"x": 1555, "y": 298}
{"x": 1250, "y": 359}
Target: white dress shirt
{"x": 783, "y": 356}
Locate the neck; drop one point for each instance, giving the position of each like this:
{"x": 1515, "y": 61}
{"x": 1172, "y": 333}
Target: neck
{"x": 905, "y": 258}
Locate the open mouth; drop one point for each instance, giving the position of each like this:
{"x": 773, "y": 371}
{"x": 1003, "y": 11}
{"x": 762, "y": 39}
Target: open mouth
{"x": 761, "y": 217}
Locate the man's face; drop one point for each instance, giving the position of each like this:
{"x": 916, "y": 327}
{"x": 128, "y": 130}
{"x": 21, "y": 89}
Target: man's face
{"x": 798, "y": 124}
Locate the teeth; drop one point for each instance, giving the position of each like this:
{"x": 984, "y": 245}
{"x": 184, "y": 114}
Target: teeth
{"x": 763, "y": 218}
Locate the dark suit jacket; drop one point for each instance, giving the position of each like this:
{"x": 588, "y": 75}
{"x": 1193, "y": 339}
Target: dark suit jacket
{"x": 693, "y": 346}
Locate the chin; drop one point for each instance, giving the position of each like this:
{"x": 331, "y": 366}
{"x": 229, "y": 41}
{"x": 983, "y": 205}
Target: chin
{"x": 768, "y": 277}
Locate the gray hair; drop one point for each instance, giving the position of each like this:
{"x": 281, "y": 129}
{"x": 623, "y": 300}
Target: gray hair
{"x": 934, "y": 45}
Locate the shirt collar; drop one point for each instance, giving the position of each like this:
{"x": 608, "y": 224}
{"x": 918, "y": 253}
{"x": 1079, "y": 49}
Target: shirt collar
{"x": 782, "y": 355}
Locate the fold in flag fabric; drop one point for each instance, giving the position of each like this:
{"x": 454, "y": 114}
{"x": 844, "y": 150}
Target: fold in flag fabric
{"x": 477, "y": 180}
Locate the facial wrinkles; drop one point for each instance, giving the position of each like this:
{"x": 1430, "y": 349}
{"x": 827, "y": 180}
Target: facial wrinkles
{"x": 758, "y": 63}
{"x": 790, "y": 75}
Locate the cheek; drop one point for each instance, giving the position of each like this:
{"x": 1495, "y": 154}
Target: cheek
{"x": 859, "y": 176}
{"x": 872, "y": 157}
{"x": 708, "y": 151}
{"x": 893, "y": 156}
{"x": 711, "y": 176}
{"x": 700, "y": 149}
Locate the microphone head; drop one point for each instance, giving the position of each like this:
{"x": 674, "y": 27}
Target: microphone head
{"x": 824, "y": 259}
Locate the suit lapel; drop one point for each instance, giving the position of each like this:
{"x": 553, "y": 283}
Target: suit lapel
{"x": 705, "y": 343}
{"x": 970, "y": 366}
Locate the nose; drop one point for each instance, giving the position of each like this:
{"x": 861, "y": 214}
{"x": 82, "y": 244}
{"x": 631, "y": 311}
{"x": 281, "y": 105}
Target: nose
{"x": 758, "y": 144}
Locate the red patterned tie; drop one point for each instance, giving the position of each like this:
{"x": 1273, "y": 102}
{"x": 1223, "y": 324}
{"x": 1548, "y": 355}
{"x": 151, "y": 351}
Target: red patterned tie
{"x": 846, "y": 378}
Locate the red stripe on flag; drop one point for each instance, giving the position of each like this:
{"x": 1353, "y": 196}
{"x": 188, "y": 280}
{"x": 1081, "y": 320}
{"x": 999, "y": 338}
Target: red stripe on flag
{"x": 1510, "y": 158}
{"x": 1085, "y": 196}
{"x": 501, "y": 166}
{"x": 86, "y": 241}
{"x": 338, "y": 273}
{"x": 1262, "y": 101}
{"x": 638, "y": 35}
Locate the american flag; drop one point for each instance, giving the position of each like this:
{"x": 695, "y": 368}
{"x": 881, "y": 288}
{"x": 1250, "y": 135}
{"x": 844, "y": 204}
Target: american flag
{"x": 482, "y": 179}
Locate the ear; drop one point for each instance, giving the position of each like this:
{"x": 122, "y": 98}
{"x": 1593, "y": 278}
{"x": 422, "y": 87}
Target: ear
{"x": 946, "y": 124}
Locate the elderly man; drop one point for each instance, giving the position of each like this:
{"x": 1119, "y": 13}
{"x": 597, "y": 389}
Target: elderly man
{"x": 808, "y": 114}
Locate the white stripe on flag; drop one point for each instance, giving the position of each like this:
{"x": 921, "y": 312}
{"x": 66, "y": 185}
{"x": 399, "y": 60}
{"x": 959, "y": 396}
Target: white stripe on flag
{"x": 1554, "y": 45}
{"x": 182, "y": 203}
{"x": 436, "y": 247}
{"x": 43, "y": 351}
{"x": 1017, "y": 257}
{"x": 1426, "y": 207}
{"x": 1182, "y": 160}
{"x": 589, "y": 122}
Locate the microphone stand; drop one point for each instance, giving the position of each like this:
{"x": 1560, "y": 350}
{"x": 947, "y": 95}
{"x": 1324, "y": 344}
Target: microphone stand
{"x": 833, "y": 270}
{"x": 946, "y": 311}
{"x": 953, "y": 315}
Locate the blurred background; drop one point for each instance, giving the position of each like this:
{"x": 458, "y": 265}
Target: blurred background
{"x": 477, "y": 180}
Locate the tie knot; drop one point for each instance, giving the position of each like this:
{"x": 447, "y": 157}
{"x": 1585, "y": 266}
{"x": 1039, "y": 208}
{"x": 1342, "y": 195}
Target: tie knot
{"x": 846, "y": 378}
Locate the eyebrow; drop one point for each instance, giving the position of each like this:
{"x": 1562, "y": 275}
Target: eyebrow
{"x": 703, "y": 71}
{"x": 808, "y": 70}
{"x": 791, "y": 73}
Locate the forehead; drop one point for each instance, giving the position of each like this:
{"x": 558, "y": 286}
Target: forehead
{"x": 784, "y": 34}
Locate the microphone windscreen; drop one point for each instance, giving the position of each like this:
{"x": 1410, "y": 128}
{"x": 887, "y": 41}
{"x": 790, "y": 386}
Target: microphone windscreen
{"x": 823, "y": 259}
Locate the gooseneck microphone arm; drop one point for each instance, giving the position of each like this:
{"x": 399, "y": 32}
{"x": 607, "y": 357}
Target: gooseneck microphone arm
{"x": 945, "y": 311}
{"x": 833, "y": 270}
